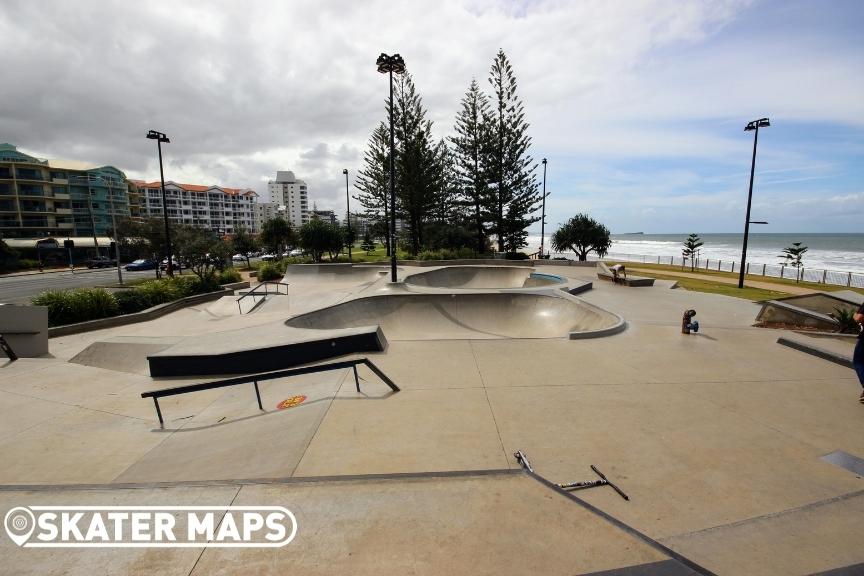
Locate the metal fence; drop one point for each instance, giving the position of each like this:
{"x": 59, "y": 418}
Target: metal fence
{"x": 818, "y": 275}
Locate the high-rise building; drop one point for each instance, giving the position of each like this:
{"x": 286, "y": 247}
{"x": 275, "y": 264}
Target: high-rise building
{"x": 292, "y": 193}
{"x": 40, "y": 198}
{"x": 326, "y": 215}
{"x": 265, "y": 211}
{"x": 223, "y": 210}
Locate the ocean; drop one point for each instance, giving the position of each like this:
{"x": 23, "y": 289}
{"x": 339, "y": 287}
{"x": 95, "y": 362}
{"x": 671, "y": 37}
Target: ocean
{"x": 838, "y": 252}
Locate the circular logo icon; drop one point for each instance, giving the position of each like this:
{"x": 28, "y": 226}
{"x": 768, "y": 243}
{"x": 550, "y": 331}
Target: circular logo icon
{"x": 19, "y": 523}
{"x": 290, "y": 402}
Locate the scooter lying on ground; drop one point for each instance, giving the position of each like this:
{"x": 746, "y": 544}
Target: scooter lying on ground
{"x": 603, "y": 481}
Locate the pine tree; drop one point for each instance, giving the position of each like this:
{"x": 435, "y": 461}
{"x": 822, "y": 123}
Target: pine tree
{"x": 449, "y": 203}
{"x": 517, "y": 194}
{"x": 471, "y": 148}
{"x": 373, "y": 180}
{"x": 418, "y": 175}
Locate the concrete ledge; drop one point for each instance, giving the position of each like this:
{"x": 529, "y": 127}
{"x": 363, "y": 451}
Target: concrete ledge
{"x": 143, "y": 316}
{"x": 777, "y": 311}
{"x": 829, "y": 355}
{"x": 266, "y": 359}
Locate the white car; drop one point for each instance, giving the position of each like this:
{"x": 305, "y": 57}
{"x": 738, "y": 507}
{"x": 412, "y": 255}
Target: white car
{"x": 268, "y": 257}
{"x": 296, "y": 252}
{"x": 238, "y": 258}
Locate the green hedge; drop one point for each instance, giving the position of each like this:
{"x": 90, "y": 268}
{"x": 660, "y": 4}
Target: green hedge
{"x": 447, "y": 254}
{"x": 270, "y": 271}
{"x": 80, "y": 305}
{"x": 83, "y": 304}
{"x": 229, "y": 276}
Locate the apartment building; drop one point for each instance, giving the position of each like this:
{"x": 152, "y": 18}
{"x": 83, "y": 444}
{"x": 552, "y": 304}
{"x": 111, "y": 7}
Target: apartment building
{"x": 265, "y": 211}
{"x": 40, "y": 198}
{"x": 288, "y": 191}
{"x": 213, "y": 207}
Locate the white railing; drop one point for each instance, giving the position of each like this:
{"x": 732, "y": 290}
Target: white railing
{"x": 817, "y": 275}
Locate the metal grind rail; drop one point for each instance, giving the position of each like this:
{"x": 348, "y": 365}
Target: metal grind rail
{"x": 254, "y": 292}
{"x": 255, "y": 378}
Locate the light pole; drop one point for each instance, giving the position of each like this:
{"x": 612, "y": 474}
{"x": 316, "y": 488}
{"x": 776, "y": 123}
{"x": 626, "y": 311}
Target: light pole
{"x": 390, "y": 64}
{"x": 754, "y": 125}
{"x": 543, "y": 218}
{"x": 160, "y": 138}
{"x": 348, "y": 212}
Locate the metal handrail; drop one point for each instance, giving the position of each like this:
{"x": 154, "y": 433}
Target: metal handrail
{"x": 267, "y": 292}
{"x": 255, "y": 378}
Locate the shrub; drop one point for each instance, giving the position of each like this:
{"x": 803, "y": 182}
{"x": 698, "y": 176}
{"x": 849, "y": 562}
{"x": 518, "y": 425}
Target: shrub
{"x": 229, "y": 276}
{"x": 27, "y": 264}
{"x": 80, "y": 305}
{"x": 268, "y": 272}
{"x": 130, "y": 301}
{"x": 516, "y": 256}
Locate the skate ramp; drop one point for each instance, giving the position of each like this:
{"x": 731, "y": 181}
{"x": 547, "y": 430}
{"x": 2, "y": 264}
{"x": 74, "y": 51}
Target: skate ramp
{"x": 333, "y": 274}
{"x": 465, "y": 316}
{"x": 123, "y": 354}
{"x": 482, "y": 277}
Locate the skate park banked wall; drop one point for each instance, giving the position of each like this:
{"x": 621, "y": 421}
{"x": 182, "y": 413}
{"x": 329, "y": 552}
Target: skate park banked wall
{"x": 482, "y": 277}
{"x": 465, "y": 316}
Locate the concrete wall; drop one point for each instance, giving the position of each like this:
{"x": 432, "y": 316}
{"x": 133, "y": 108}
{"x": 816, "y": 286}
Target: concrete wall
{"x": 25, "y": 328}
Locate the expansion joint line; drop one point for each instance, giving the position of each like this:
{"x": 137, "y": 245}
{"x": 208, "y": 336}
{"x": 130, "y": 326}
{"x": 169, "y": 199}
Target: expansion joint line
{"x": 489, "y": 403}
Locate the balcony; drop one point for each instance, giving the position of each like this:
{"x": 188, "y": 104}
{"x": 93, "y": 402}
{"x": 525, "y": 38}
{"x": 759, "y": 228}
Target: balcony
{"x": 60, "y": 181}
{"x": 63, "y": 211}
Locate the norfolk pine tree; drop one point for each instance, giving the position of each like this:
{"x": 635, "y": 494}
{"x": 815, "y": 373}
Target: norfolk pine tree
{"x": 471, "y": 149}
{"x": 517, "y": 194}
{"x": 373, "y": 180}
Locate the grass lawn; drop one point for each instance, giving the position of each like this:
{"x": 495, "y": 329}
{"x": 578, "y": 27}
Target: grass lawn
{"x": 710, "y": 281}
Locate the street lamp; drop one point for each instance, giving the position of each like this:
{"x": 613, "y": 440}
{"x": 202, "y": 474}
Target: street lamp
{"x": 348, "y": 212}
{"x": 160, "y": 138}
{"x": 754, "y": 126}
{"x": 543, "y": 218}
{"x": 390, "y": 64}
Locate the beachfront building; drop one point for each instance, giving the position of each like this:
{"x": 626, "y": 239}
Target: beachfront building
{"x": 41, "y": 198}
{"x": 265, "y": 211}
{"x": 326, "y": 215}
{"x": 288, "y": 191}
{"x": 216, "y": 208}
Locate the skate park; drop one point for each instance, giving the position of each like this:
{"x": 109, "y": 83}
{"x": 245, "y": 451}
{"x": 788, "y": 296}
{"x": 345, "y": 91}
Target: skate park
{"x": 721, "y": 439}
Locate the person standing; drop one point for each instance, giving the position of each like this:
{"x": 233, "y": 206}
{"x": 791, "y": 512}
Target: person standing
{"x": 858, "y": 355}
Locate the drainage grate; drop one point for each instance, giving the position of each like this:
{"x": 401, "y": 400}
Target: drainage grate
{"x": 845, "y": 460}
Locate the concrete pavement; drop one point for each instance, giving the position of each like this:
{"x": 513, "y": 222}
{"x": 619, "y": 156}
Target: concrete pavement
{"x": 717, "y": 437}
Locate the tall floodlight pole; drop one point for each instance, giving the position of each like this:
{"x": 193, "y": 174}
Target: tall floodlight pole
{"x": 348, "y": 212}
{"x": 390, "y": 64}
{"x": 543, "y": 218}
{"x": 754, "y": 126}
{"x": 160, "y": 138}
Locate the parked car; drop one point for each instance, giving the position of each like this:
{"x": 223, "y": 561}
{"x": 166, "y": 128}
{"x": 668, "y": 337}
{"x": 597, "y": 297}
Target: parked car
{"x": 268, "y": 257}
{"x": 238, "y": 258}
{"x": 164, "y": 264}
{"x": 101, "y": 262}
{"x": 296, "y": 252}
{"x": 141, "y": 264}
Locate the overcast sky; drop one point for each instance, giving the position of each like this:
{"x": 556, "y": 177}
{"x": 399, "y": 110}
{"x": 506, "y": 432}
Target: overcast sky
{"x": 639, "y": 106}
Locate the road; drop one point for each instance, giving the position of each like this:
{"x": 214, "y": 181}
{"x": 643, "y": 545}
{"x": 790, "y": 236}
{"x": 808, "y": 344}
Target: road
{"x": 19, "y": 289}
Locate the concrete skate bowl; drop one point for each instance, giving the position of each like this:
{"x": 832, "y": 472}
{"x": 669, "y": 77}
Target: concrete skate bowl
{"x": 466, "y": 316}
{"x": 334, "y": 274}
{"x": 483, "y": 277}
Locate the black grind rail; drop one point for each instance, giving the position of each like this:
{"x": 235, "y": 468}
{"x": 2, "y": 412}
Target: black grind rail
{"x": 255, "y": 378}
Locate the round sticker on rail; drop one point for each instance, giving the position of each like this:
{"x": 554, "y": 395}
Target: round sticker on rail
{"x": 290, "y": 402}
